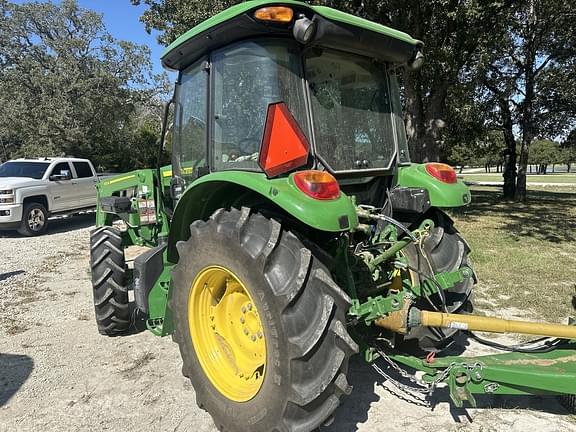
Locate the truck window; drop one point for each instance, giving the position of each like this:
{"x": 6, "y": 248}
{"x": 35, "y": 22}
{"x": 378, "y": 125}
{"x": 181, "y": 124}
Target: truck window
{"x": 83, "y": 169}
{"x": 33, "y": 170}
{"x": 60, "y": 167}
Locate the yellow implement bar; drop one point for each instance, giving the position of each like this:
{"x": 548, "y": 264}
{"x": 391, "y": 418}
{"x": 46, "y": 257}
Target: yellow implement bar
{"x": 495, "y": 325}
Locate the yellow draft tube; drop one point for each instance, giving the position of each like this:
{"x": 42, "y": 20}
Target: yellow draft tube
{"x": 495, "y": 325}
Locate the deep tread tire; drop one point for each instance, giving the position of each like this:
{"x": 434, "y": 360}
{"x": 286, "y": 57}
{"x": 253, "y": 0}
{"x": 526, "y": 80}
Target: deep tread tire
{"x": 303, "y": 315}
{"x": 108, "y": 268}
{"x": 24, "y": 228}
{"x": 446, "y": 251}
{"x": 569, "y": 402}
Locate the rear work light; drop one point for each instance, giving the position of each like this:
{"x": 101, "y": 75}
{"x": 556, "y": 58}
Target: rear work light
{"x": 279, "y": 14}
{"x": 284, "y": 145}
{"x": 444, "y": 173}
{"x": 319, "y": 185}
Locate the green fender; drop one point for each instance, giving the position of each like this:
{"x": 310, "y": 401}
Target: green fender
{"x": 442, "y": 195}
{"x": 226, "y": 189}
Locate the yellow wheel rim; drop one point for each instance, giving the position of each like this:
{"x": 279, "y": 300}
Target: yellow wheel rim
{"x": 227, "y": 333}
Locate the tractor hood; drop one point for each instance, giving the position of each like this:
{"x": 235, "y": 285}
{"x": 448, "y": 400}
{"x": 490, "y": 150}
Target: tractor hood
{"x": 335, "y": 29}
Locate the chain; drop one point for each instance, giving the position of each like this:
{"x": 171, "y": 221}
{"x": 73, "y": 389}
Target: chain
{"x": 415, "y": 398}
{"x": 419, "y": 392}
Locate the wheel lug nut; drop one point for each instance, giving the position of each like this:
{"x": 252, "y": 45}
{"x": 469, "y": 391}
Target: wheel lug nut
{"x": 260, "y": 335}
{"x": 249, "y": 306}
{"x": 253, "y": 338}
{"x": 246, "y": 332}
{"x": 242, "y": 320}
{"x": 243, "y": 309}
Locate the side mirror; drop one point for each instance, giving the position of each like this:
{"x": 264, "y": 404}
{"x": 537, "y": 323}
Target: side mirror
{"x": 64, "y": 175}
{"x": 176, "y": 187}
{"x": 416, "y": 61}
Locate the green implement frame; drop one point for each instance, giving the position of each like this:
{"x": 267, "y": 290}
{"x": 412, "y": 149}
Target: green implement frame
{"x": 515, "y": 373}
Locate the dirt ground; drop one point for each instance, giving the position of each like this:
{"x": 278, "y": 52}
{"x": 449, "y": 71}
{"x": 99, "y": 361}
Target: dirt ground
{"x": 58, "y": 374}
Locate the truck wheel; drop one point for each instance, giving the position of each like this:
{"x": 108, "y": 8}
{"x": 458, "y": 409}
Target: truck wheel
{"x": 445, "y": 250}
{"x": 569, "y": 402}
{"x": 109, "y": 281}
{"x": 260, "y": 325}
{"x": 34, "y": 220}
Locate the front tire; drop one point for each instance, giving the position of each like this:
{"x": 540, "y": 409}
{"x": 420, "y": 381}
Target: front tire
{"x": 34, "y": 220}
{"x": 108, "y": 267}
{"x": 296, "y": 305}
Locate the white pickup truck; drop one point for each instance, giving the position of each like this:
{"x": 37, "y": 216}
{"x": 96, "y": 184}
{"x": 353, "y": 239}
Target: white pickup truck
{"x": 32, "y": 190}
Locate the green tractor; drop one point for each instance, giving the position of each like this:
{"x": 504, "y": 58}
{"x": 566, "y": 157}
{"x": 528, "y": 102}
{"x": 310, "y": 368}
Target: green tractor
{"x": 291, "y": 231}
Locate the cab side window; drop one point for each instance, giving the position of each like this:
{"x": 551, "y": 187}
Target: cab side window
{"x": 83, "y": 169}
{"x": 190, "y": 129}
{"x": 61, "y": 168}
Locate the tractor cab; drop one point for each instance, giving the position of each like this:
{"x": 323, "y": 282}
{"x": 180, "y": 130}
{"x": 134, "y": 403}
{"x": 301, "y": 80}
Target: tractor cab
{"x": 330, "y": 76}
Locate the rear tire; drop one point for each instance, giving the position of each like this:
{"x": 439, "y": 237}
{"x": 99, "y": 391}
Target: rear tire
{"x": 302, "y": 313}
{"x": 34, "y": 220}
{"x": 446, "y": 251}
{"x": 108, "y": 267}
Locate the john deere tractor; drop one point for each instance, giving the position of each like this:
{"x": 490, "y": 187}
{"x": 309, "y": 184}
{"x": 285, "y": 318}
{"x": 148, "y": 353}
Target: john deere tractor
{"x": 291, "y": 231}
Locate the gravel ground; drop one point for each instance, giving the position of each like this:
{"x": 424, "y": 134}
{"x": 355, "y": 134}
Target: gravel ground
{"x": 58, "y": 374}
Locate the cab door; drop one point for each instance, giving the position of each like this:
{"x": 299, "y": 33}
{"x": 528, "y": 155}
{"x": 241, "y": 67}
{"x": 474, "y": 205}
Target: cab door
{"x": 85, "y": 183}
{"x": 189, "y": 146}
{"x": 61, "y": 188}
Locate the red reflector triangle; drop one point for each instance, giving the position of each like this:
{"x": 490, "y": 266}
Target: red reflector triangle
{"x": 284, "y": 145}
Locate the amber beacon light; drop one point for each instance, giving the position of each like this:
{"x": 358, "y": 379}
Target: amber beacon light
{"x": 279, "y": 14}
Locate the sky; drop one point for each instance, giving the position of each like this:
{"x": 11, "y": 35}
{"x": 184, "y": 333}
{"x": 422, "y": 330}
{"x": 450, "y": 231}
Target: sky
{"x": 122, "y": 22}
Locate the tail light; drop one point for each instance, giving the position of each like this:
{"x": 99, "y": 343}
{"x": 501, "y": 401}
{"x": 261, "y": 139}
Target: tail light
{"x": 444, "y": 173}
{"x": 319, "y": 185}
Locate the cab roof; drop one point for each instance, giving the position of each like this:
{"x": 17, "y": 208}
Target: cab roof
{"x": 347, "y": 31}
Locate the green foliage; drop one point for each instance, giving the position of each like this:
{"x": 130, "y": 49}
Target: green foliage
{"x": 67, "y": 87}
{"x": 174, "y": 17}
{"x": 544, "y": 152}
{"x": 530, "y": 72}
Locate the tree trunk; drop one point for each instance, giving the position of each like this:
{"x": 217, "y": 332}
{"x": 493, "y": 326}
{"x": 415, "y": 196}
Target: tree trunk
{"x": 424, "y": 124}
{"x": 414, "y": 114}
{"x": 509, "y": 171}
{"x": 527, "y": 105}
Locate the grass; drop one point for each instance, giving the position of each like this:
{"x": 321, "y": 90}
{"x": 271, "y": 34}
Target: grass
{"x": 524, "y": 254}
{"x": 543, "y": 178}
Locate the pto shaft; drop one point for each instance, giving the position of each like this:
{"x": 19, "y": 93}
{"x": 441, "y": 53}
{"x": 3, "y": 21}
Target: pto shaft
{"x": 487, "y": 324}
